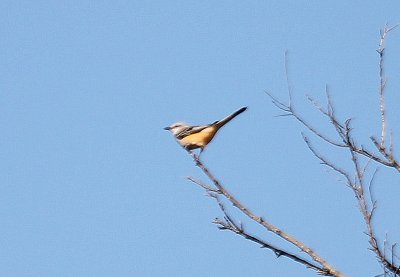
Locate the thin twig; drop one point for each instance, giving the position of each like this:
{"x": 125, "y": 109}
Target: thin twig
{"x": 326, "y": 162}
{"x": 204, "y": 186}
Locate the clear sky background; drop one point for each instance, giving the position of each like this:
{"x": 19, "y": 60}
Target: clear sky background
{"x": 91, "y": 185}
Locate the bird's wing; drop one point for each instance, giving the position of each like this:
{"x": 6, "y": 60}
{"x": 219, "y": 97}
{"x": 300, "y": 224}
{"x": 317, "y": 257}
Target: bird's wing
{"x": 190, "y": 130}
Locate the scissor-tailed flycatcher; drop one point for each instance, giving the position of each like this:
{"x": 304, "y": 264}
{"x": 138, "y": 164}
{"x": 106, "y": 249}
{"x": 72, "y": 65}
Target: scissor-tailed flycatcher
{"x": 193, "y": 137}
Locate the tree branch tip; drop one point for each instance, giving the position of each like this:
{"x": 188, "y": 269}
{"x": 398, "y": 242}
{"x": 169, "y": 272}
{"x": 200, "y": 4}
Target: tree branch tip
{"x": 311, "y": 99}
{"x": 282, "y": 115}
{"x": 277, "y": 253}
{"x": 392, "y": 28}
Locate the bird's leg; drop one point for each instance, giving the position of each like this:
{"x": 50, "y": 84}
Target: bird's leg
{"x": 190, "y": 151}
{"x": 201, "y": 151}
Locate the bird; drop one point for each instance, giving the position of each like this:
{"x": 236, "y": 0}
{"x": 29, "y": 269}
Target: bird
{"x": 194, "y": 137}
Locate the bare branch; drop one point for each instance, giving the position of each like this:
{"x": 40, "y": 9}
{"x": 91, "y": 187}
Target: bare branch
{"x": 289, "y": 110}
{"x": 383, "y": 80}
{"x": 340, "y": 128}
{"x": 278, "y": 252}
{"x": 387, "y": 154}
{"x": 328, "y": 269}
{"x": 231, "y": 225}
{"x": 357, "y": 183}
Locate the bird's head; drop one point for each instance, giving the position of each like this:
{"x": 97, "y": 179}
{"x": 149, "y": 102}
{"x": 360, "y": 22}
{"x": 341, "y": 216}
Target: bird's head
{"x": 176, "y": 127}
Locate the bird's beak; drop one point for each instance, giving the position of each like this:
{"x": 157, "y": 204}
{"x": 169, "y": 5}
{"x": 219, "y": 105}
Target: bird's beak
{"x": 167, "y": 128}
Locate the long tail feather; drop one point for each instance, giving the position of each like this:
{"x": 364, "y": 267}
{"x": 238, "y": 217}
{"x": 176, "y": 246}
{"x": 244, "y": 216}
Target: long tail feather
{"x": 222, "y": 122}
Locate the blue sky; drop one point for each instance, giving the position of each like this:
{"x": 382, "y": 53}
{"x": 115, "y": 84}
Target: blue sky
{"x": 92, "y": 186}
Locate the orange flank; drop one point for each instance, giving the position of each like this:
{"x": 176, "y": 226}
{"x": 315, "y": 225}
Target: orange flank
{"x": 200, "y": 139}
